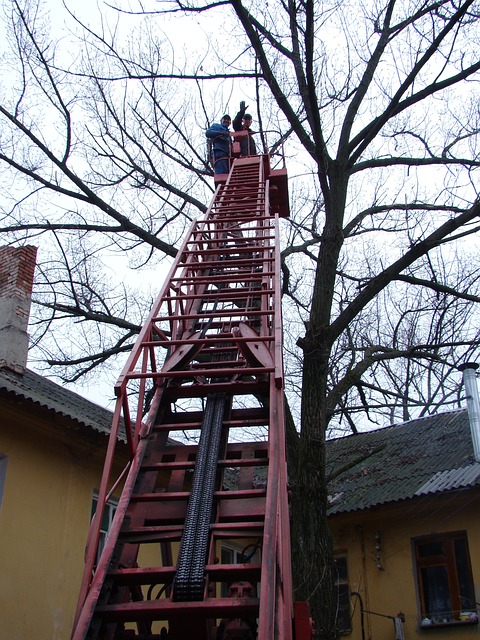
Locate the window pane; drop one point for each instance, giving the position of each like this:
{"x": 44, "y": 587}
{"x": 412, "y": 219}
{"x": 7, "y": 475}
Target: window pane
{"x": 341, "y": 568}
{"x": 435, "y": 591}
{"x": 107, "y": 518}
{"x": 434, "y": 548}
{"x": 467, "y": 599}
{"x": 343, "y": 612}
{"x": 3, "y": 475}
{"x": 344, "y": 623}
{"x": 227, "y": 556}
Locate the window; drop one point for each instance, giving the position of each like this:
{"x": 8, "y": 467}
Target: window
{"x": 3, "y": 475}
{"x": 108, "y": 514}
{"x": 344, "y": 623}
{"x": 231, "y": 554}
{"x": 444, "y": 576}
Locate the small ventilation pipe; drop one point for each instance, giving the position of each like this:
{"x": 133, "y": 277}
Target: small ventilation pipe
{"x": 473, "y": 404}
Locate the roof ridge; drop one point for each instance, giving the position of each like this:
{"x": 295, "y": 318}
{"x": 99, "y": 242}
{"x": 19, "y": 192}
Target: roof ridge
{"x": 399, "y": 424}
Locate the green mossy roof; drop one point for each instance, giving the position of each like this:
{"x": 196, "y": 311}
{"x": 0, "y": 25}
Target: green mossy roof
{"x": 428, "y": 455}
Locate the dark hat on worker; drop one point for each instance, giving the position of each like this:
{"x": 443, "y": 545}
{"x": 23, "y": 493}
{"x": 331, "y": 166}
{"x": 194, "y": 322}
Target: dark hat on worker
{"x": 226, "y": 116}
{"x": 247, "y": 115}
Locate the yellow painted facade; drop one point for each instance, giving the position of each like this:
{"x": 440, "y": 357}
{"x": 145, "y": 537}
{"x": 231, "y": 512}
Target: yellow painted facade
{"x": 52, "y": 470}
{"x": 384, "y": 536}
{"x": 52, "y": 467}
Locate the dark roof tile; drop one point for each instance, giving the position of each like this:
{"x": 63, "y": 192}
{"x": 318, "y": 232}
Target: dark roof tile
{"x": 52, "y": 396}
{"x": 395, "y": 463}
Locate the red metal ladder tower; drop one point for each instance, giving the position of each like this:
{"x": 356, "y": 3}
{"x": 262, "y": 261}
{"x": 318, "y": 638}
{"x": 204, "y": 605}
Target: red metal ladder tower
{"x": 218, "y": 317}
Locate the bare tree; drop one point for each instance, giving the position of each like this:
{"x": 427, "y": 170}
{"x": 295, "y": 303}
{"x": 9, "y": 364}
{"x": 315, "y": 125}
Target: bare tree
{"x": 377, "y": 102}
{"x": 101, "y": 171}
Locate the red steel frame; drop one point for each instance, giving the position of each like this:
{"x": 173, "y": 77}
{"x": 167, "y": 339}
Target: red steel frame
{"x": 218, "y": 316}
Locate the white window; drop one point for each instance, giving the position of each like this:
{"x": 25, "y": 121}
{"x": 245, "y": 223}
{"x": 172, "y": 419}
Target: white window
{"x": 232, "y": 554}
{"x": 108, "y": 514}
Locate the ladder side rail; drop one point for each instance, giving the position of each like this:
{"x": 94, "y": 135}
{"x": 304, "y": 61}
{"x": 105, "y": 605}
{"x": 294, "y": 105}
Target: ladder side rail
{"x": 148, "y": 349}
{"x": 127, "y": 418}
{"x": 284, "y": 586}
{"x": 278, "y": 328}
{"x": 182, "y": 263}
{"x": 146, "y": 329}
{"x": 276, "y": 601}
{"x": 269, "y": 240}
{"x": 95, "y": 524}
{"x": 164, "y": 297}
{"x": 187, "y": 262}
{"x": 268, "y": 591}
{"x": 104, "y": 494}
{"x": 91, "y": 586}
{"x": 141, "y": 398}
{"x": 122, "y": 403}
{"x": 286, "y": 613}
{"x": 286, "y": 595}
{"x": 189, "y": 293}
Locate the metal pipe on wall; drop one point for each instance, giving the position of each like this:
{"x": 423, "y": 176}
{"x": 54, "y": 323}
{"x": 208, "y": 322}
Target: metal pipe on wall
{"x": 473, "y": 404}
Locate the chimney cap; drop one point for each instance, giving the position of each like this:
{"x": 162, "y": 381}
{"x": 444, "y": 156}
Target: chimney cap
{"x": 468, "y": 365}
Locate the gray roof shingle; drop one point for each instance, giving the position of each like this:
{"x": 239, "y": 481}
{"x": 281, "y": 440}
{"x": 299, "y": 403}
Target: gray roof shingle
{"x": 368, "y": 469}
{"x": 49, "y": 395}
{"x": 427, "y": 455}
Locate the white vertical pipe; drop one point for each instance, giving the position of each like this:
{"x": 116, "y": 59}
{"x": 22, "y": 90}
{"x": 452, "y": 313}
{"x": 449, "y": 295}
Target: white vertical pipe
{"x": 473, "y": 404}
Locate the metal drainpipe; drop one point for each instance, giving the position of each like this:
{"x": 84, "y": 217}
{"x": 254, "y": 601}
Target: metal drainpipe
{"x": 473, "y": 404}
{"x": 362, "y": 623}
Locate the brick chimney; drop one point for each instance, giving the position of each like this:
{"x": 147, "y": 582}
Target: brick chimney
{"x": 17, "y": 266}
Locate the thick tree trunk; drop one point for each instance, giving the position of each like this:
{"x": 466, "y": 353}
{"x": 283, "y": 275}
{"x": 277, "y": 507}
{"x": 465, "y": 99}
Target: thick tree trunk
{"x": 312, "y": 547}
{"x": 312, "y": 551}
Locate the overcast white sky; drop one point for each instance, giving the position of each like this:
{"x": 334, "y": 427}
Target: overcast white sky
{"x": 100, "y": 390}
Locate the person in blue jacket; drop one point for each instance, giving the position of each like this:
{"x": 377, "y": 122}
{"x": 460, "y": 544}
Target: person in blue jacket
{"x": 221, "y": 143}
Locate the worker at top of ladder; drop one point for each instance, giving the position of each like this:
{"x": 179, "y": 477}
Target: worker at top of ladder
{"x": 221, "y": 143}
{"x": 242, "y": 122}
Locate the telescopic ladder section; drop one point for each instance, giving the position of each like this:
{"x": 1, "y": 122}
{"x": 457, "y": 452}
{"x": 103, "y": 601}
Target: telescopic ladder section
{"x": 218, "y": 320}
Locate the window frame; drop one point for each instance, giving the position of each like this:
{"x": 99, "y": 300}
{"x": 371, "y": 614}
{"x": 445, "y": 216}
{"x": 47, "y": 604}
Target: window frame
{"x": 236, "y": 551}
{"x": 345, "y": 583}
{"x": 3, "y": 475}
{"x": 110, "y": 508}
{"x": 447, "y": 559}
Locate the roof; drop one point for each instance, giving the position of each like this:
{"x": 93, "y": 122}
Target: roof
{"x": 425, "y": 456}
{"x": 52, "y": 396}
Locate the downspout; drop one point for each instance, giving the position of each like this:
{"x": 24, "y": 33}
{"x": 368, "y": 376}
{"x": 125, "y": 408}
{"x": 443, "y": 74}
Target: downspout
{"x": 362, "y": 621}
{"x": 473, "y": 404}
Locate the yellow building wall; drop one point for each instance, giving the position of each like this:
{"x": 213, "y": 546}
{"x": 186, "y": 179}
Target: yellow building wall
{"x": 51, "y": 475}
{"x": 391, "y": 588}
{"x": 52, "y": 472}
